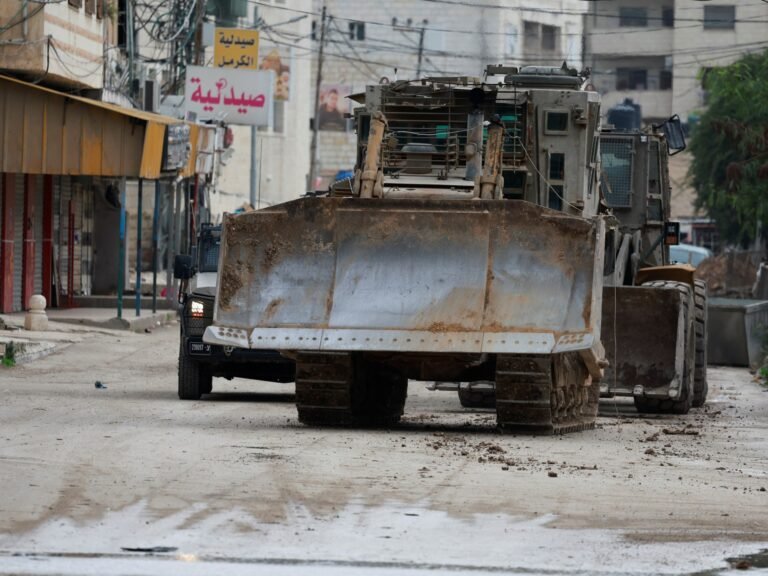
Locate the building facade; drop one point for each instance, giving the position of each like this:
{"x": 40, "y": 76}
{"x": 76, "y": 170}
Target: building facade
{"x": 60, "y": 43}
{"x": 280, "y": 152}
{"x": 657, "y": 52}
{"x": 68, "y": 160}
{"x": 365, "y": 42}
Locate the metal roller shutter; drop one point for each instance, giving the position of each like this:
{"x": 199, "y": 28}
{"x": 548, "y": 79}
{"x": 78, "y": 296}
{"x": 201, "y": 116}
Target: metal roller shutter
{"x": 18, "y": 243}
{"x": 38, "y": 231}
{"x": 62, "y": 231}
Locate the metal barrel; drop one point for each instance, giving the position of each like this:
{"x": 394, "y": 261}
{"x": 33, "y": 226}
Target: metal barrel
{"x": 409, "y": 275}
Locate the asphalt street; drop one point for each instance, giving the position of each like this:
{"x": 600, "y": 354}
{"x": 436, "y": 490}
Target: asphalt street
{"x": 127, "y": 479}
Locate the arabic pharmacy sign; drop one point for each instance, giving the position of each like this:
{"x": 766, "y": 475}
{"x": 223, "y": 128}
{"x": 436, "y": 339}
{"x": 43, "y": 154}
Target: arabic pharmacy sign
{"x": 236, "y": 48}
{"x": 229, "y": 95}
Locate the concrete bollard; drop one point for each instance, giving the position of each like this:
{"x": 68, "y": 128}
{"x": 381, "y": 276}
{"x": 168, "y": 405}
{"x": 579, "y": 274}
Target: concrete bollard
{"x": 36, "y": 320}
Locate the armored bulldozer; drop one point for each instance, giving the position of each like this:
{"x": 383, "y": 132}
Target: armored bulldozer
{"x": 654, "y": 314}
{"x": 468, "y": 247}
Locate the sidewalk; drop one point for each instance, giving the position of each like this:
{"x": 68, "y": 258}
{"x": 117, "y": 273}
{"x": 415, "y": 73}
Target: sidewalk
{"x": 72, "y": 325}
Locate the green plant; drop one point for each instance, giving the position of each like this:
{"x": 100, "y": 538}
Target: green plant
{"x": 730, "y": 149}
{"x": 110, "y": 10}
{"x": 9, "y": 357}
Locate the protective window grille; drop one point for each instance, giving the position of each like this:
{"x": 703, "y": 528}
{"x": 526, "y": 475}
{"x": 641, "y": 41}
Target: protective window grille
{"x": 430, "y": 125}
{"x": 617, "y": 157}
{"x": 654, "y": 212}
{"x": 210, "y": 243}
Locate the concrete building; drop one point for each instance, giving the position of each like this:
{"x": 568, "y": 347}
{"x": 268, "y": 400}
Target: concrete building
{"x": 67, "y": 159}
{"x": 62, "y": 43}
{"x": 281, "y": 153}
{"x": 405, "y": 39}
{"x": 657, "y": 52}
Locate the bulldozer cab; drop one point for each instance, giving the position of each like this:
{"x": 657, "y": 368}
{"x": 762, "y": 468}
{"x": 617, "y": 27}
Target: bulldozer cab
{"x": 635, "y": 187}
{"x": 439, "y": 136}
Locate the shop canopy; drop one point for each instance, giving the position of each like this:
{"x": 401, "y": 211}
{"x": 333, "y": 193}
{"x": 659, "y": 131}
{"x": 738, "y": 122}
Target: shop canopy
{"x": 43, "y": 131}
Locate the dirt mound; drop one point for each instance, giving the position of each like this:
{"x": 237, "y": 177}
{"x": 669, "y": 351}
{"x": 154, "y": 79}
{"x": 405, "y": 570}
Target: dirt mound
{"x": 730, "y": 273}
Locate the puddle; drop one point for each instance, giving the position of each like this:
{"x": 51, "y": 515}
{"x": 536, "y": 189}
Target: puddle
{"x": 395, "y": 536}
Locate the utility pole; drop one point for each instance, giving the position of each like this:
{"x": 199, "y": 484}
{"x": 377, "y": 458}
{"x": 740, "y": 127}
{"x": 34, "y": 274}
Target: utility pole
{"x": 254, "y": 188}
{"x": 315, "y": 125}
{"x": 421, "y": 52}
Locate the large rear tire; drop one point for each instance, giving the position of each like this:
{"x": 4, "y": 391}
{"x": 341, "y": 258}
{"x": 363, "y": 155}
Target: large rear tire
{"x": 683, "y": 403}
{"x": 194, "y": 378}
{"x": 700, "y": 385}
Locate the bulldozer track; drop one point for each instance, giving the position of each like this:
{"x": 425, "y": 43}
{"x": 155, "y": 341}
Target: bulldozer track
{"x": 341, "y": 389}
{"x": 324, "y": 388}
{"x": 545, "y": 394}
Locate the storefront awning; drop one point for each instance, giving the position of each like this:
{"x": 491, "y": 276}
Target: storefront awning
{"x": 43, "y": 131}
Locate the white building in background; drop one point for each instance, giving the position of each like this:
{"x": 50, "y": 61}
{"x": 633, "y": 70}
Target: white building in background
{"x": 657, "y": 52}
{"x": 281, "y": 153}
{"x": 405, "y": 39}
{"x": 282, "y": 150}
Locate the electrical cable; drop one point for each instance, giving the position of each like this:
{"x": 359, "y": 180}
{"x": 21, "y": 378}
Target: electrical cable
{"x": 492, "y": 33}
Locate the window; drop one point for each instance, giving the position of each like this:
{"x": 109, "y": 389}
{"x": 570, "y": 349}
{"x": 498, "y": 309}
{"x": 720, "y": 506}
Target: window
{"x": 634, "y": 17}
{"x": 665, "y": 79}
{"x": 668, "y": 17}
{"x": 531, "y": 29}
{"x": 557, "y": 166}
{"x": 530, "y": 36}
{"x": 357, "y": 30}
{"x": 719, "y": 17}
{"x": 549, "y": 36}
{"x": 556, "y": 197}
{"x": 557, "y": 123}
{"x": 90, "y": 7}
{"x": 122, "y": 23}
{"x": 514, "y": 184}
{"x": 631, "y": 79}
{"x": 76, "y": 3}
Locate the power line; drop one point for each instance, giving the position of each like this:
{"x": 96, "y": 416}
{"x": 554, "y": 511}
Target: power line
{"x": 632, "y": 30}
{"x": 476, "y": 5}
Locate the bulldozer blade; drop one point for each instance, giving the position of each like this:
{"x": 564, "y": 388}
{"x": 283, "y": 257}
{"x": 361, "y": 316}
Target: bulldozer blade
{"x": 409, "y": 275}
{"x": 643, "y": 332}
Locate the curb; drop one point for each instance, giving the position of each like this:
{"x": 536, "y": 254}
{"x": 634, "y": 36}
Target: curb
{"x": 132, "y": 324}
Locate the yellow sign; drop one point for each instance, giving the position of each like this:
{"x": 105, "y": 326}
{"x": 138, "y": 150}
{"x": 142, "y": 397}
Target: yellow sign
{"x": 236, "y": 48}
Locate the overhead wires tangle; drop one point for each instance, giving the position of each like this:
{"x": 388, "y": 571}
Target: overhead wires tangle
{"x": 613, "y": 31}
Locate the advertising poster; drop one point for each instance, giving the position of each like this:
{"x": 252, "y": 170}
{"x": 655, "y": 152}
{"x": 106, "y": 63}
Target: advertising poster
{"x": 333, "y": 105}
{"x": 278, "y": 59}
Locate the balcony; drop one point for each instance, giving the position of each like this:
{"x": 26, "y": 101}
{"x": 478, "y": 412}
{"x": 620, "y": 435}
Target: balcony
{"x": 617, "y": 42}
{"x": 58, "y": 43}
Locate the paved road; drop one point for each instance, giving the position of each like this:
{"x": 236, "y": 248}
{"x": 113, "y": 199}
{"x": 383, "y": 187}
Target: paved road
{"x": 234, "y": 484}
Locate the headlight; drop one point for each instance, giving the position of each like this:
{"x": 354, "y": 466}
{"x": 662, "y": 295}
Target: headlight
{"x": 196, "y": 309}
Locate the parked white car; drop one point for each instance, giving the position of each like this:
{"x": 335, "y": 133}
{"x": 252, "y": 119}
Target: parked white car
{"x": 688, "y": 254}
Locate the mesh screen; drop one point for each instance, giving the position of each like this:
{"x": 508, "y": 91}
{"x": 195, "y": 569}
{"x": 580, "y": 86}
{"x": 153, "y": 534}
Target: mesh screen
{"x": 208, "y": 248}
{"x": 616, "y": 155}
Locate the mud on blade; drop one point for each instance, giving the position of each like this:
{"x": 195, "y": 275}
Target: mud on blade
{"x": 413, "y": 275}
